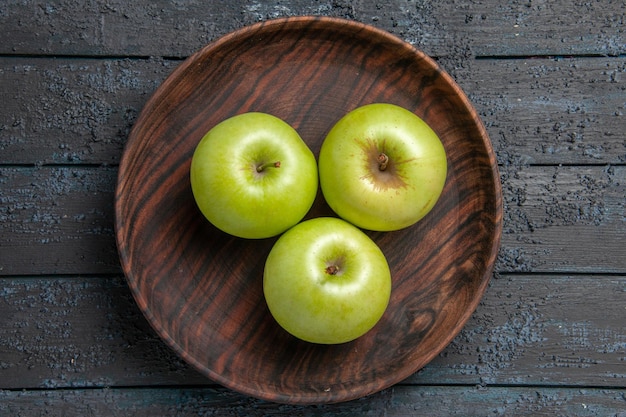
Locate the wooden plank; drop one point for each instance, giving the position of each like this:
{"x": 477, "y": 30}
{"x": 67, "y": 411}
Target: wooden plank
{"x": 540, "y": 330}
{"x": 90, "y": 106}
{"x": 505, "y": 401}
{"x": 400, "y": 401}
{"x": 551, "y": 111}
{"x": 60, "y": 220}
{"x": 81, "y": 332}
{"x": 545, "y": 208}
{"x": 528, "y": 330}
{"x": 487, "y": 27}
{"x": 531, "y": 28}
{"x": 71, "y": 111}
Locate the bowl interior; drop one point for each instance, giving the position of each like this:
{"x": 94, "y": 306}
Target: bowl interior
{"x": 202, "y": 289}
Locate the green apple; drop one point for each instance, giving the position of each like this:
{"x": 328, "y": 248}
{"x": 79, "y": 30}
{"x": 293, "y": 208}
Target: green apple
{"x": 325, "y": 281}
{"x": 252, "y": 176}
{"x": 382, "y": 167}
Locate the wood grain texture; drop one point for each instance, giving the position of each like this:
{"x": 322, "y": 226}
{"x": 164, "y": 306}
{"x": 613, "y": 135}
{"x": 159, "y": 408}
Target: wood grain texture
{"x": 200, "y": 287}
{"x": 530, "y": 330}
{"x": 399, "y": 401}
{"x": 485, "y": 28}
{"x": 60, "y": 219}
{"x": 526, "y": 28}
{"x": 80, "y": 331}
{"x": 545, "y": 111}
{"x": 72, "y": 111}
{"x": 551, "y": 111}
{"x": 537, "y": 330}
{"x": 566, "y": 201}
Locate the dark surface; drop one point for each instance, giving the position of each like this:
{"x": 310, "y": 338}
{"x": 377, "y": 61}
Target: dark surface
{"x": 548, "y": 80}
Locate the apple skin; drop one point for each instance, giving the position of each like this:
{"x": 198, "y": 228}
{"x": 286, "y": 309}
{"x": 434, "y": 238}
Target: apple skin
{"x": 252, "y": 176}
{"x": 325, "y": 281}
{"x": 392, "y": 199}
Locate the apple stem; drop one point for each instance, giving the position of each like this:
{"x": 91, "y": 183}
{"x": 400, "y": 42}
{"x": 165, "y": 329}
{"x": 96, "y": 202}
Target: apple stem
{"x": 383, "y": 160}
{"x": 332, "y": 269}
{"x": 262, "y": 167}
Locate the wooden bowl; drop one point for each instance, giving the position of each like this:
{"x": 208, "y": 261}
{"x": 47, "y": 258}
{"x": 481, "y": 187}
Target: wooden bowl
{"x": 202, "y": 290}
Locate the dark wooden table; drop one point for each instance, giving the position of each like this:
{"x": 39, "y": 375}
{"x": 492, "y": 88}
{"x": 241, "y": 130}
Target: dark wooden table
{"x": 548, "y": 79}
